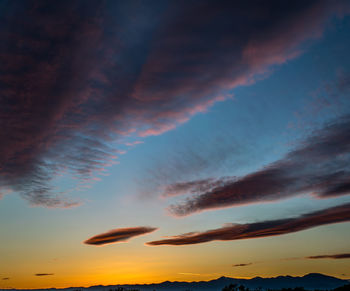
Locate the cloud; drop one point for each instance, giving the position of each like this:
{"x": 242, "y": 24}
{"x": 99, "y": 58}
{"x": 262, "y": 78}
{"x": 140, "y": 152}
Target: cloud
{"x": 320, "y": 166}
{"x": 43, "y": 274}
{"x": 194, "y": 187}
{"x": 6, "y": 278}
{"x": 190, "y": 274}
{"x": 130, "y": 144}
{"x": 242, "y": 265}
{"x": 77, "y": 77}
{"x": 118, "y": 235}
{"x": 336, "y": 256}
{"x": 262, "y": 229}
{"x": 199, "y": 274}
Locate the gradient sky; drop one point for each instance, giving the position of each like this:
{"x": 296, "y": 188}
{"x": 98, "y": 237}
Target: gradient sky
{"x": 144, "y": 141}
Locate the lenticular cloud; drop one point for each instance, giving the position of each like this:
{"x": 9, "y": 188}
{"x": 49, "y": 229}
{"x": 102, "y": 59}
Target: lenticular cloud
{"x": 75, "y": 77}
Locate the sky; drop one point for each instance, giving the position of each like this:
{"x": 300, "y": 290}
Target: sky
{"x": 145, "y": 141}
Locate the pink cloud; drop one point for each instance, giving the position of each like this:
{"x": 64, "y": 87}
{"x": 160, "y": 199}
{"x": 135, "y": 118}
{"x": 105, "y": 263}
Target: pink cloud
{"x": 89, "y": 78}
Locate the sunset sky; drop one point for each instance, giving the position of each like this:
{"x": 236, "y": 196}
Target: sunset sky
{"x": 145, "y": 141}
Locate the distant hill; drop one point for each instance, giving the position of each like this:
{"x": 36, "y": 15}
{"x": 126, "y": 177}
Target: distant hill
{"x": 311, "y": 281}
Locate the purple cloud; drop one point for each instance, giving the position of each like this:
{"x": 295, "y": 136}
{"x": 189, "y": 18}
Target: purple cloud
{"x": 75, "y": 77}
{"x": 267, "y": 228}
{"x": 118, "y": 235}
{"x": 320, "y": 165}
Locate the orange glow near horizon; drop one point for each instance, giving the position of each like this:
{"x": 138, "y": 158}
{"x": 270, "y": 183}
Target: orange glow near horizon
{"x": 112, "y": 265}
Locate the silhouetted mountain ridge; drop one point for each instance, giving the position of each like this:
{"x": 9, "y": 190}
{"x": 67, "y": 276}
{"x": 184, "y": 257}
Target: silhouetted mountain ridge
{"x": 310, "y": 281}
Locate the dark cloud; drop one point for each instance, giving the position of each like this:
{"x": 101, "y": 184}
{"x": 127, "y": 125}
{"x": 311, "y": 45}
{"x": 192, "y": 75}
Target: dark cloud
{"x": 320, "y": 165}
{"x": 118, "y": 235}
{"x": 77, "y": 76}
{"x": 336, "y": 256}
{"x": 194, "y": 187}
{"x": 6, "y": 278}
{"x": 262, "y": 229}
{"x": 242, "y": 265}
{"x": 43, "y": 274}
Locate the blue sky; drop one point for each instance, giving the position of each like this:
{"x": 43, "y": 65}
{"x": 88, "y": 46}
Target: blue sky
{"x": 150, "y": 105}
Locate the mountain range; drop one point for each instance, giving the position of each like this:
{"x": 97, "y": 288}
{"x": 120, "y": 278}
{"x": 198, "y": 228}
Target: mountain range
{"x": 310, "y": 281}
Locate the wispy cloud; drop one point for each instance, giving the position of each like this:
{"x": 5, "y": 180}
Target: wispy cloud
{"x": 319, "y": 166}
{"x": 118, "y": 235}
{"x": 242, "y": 265}
{"x": 199, "y": 274}
{"x": 43, "y": 274}
{"x": 6, "y": 278}
{"x": 334, "y": 256}
{"x": 262, "y": 229}
{"x": 194, "y": 187}
{"x": 130, "y": 144}
{"x": 65, "y": 100}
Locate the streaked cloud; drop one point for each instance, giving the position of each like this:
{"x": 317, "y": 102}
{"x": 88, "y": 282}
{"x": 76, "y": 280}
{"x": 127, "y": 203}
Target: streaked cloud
{"x": 194, "y": 187}
{"x": 92, "y": 76}
{"x": 242, "y": 265}
{"x": 118, "y": 235}
{"x": 261, "y": 229}
{"x": 43, "y": 274}
{"x": 335, "y": 256}
{"x": 319, "y": 166}
{"x": 130, "y": 144}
